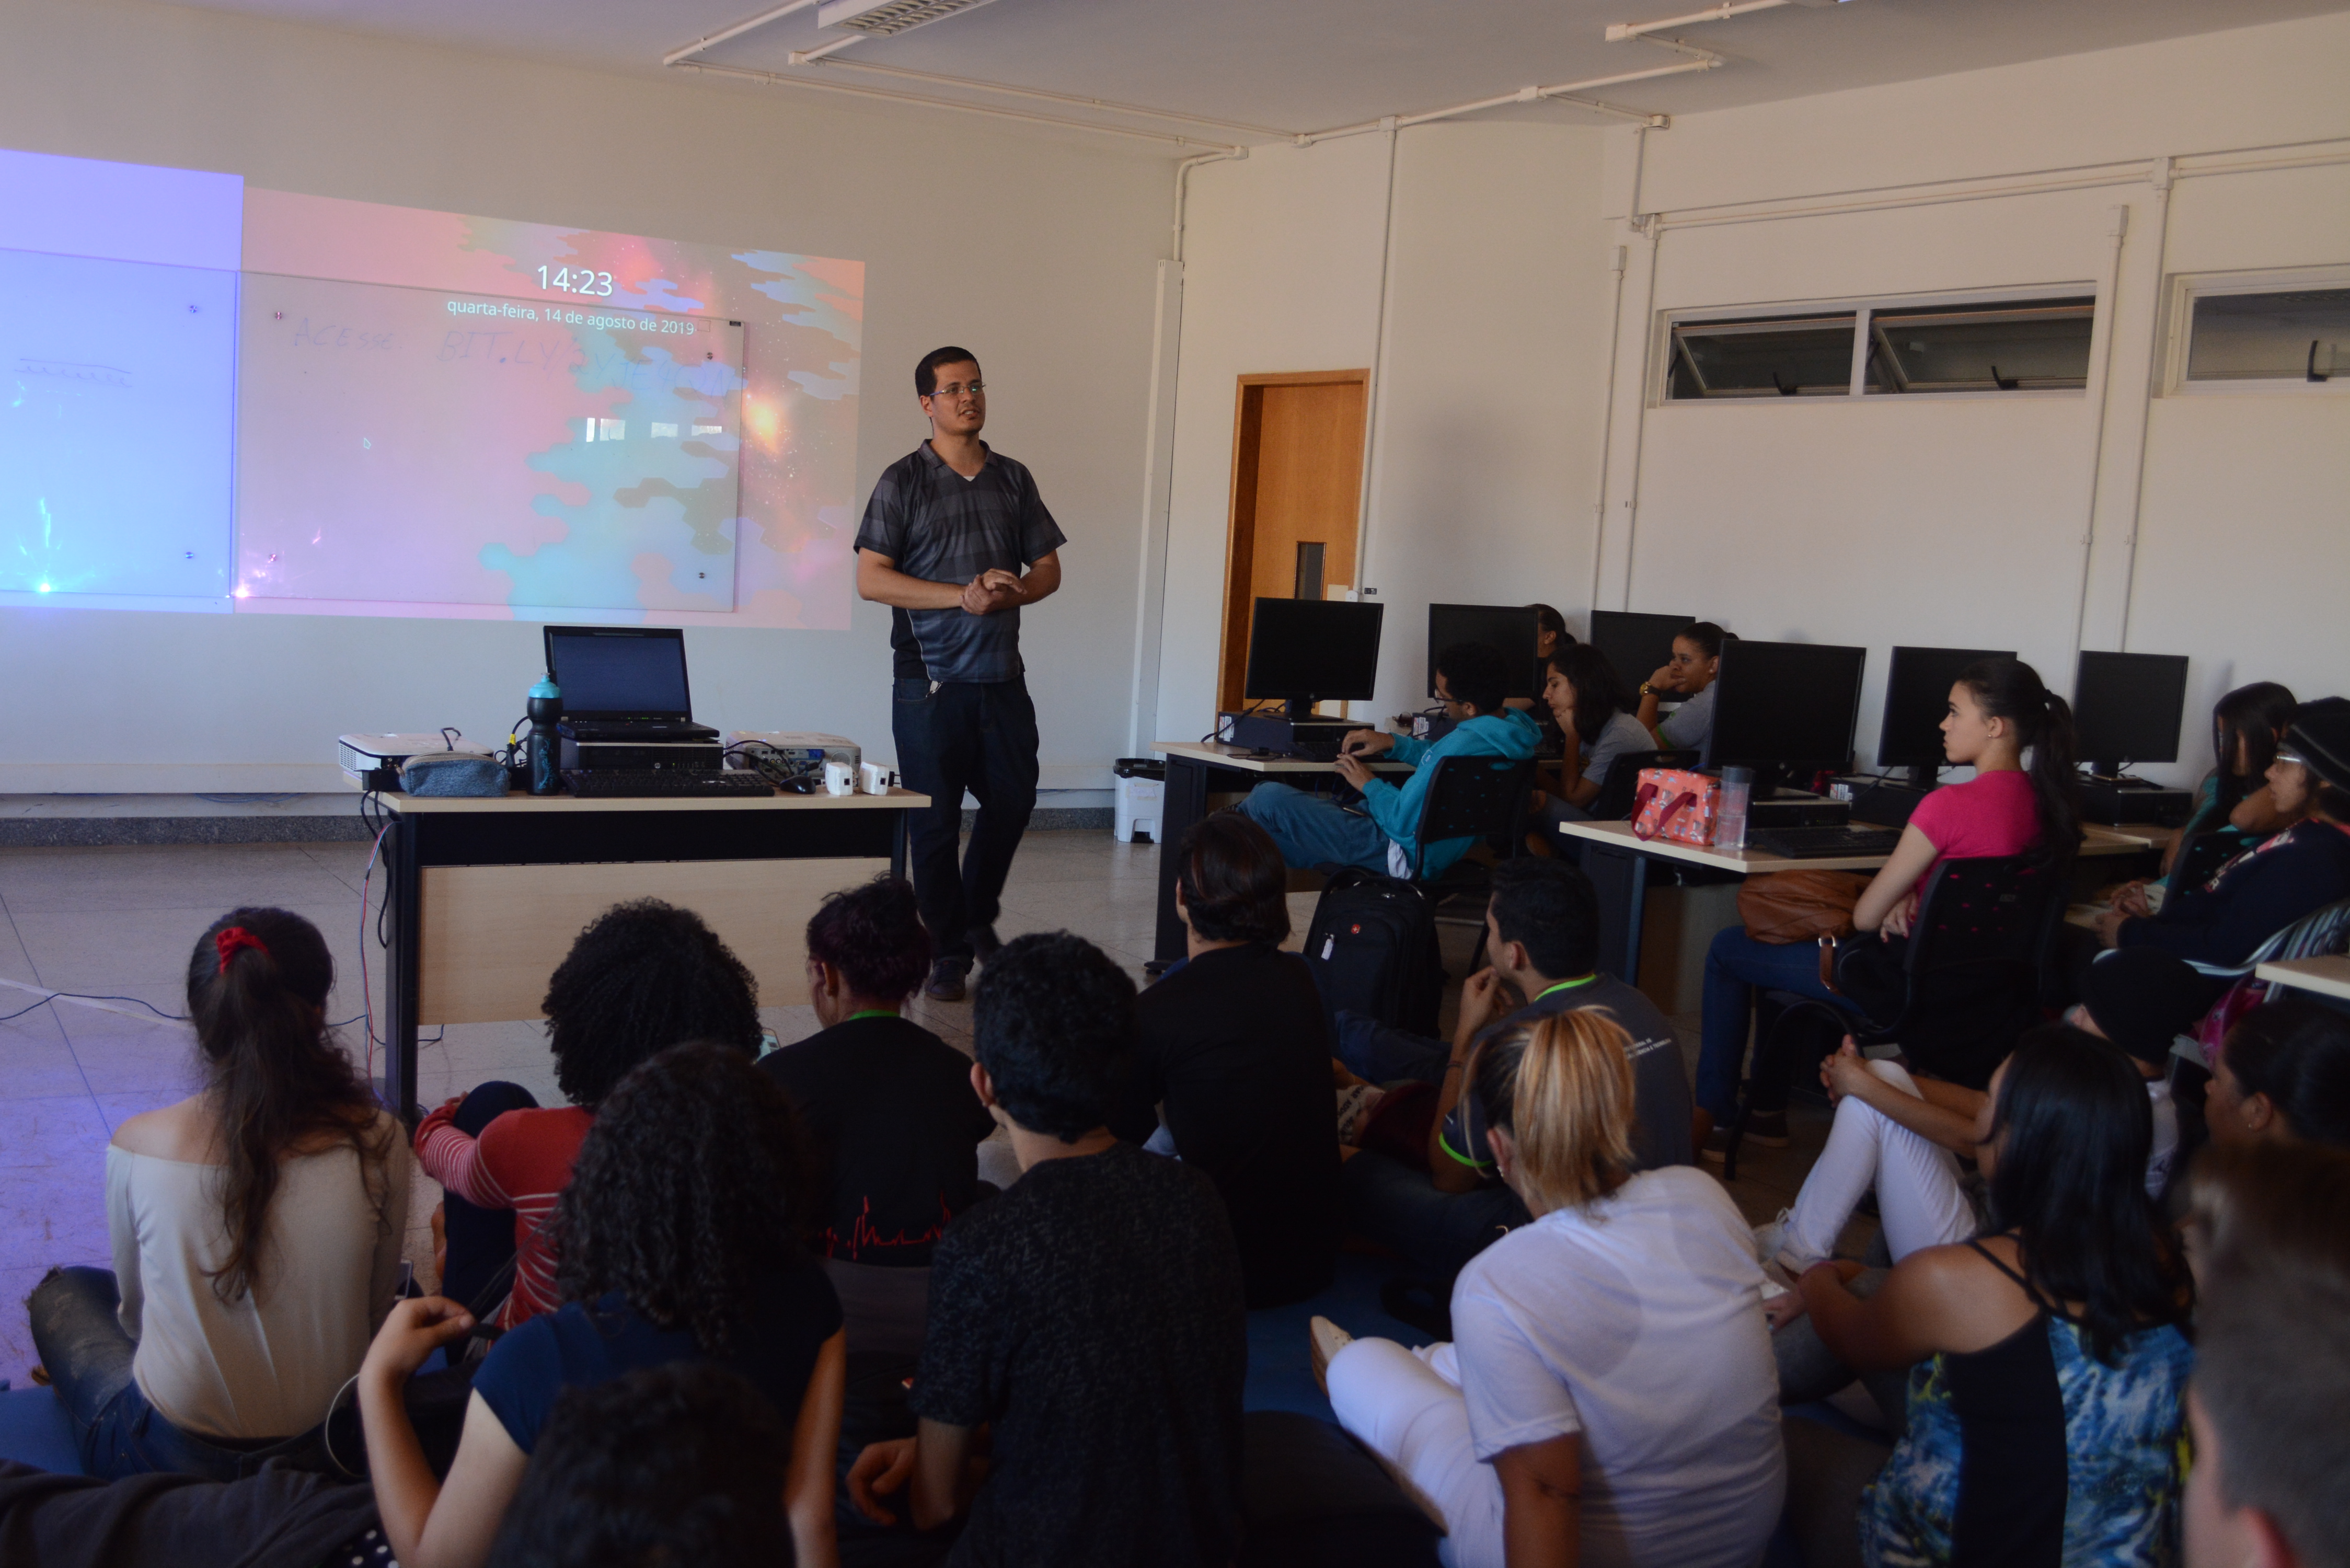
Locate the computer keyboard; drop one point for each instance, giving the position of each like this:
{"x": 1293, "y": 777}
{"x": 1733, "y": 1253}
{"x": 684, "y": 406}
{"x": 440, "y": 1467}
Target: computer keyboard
{"x": 1823, "y": 843}
{"x": 619, "y": 783}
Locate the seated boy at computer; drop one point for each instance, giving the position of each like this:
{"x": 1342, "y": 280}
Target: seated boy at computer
{"x": 1312, "y": 830}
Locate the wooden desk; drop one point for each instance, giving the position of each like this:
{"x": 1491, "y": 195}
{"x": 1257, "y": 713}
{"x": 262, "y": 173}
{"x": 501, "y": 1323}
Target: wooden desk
{"x": 1617, "y": 864}
{"x": 1194, "y": 770}
{"x": 488, "y": 893}
{"x": 2328, "y": 977}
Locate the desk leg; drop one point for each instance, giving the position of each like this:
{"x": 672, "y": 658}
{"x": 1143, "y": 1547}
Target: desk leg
{"x": 898, "y": 839}
{"x": 1183, "y": 804}
{"x": 403, "y": 969}
{"x": 1621, "y": 879}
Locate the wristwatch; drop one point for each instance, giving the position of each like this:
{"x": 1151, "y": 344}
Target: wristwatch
{"x": 1646, "y": 690}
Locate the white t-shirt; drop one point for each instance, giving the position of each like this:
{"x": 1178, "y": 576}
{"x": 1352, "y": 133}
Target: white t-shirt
{"x": 268, "y": 1364}
{"x": 1637, "y": 1322}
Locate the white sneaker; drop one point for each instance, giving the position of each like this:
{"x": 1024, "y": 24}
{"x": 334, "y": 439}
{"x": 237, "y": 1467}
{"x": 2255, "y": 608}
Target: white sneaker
{"x": 1771, "y": 1239}
{"x": 1324, "y": 1341}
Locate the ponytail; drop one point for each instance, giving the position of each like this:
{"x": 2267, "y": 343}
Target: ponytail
{"x": 2012, "y": 689}
{"x": 1562, "y": 1089}
{"x": 258, "y": 987}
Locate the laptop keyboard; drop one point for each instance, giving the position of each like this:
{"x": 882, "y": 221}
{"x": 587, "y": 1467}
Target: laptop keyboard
{"x": 1823, "y": 843}
{"x": 616, "y": 784}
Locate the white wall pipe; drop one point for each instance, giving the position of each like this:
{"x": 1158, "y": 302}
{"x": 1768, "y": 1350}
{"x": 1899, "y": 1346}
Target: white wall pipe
{"x": 1183, "y": 188}
{"x": 1620, "y": 32}
{"x": 2101, "y": 372}
{"x": 1375, "y": 412}
{"x": 736, "y": 31}
{"x": 1607, "y": 419}
{"x": 777, "y": 79}
{"x": 1075, "y": 100}
{"x": 1524, "y": 95}
{"x": 810, "y": 56}
{"x": 2164, "y": 178}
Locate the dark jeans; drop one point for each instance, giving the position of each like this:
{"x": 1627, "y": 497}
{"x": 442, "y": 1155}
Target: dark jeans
{"x": 1399, "y": 1207}
{"x": 88, "y": 1357}
{"x": 1736, "y": 966}
{"x": 974, "y": 736}
{"x": 481, "y": 1241}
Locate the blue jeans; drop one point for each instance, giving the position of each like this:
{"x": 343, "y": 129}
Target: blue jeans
{"x": 1735, "y": 967}
{"x": 87, "y": 1357}
{"x": 1312, "y": 830}
{"x": 1399, "y": 1207}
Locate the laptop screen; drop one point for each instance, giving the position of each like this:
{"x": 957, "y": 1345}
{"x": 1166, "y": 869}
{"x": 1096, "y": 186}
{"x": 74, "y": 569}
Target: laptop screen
{"x": 619, "y": 672}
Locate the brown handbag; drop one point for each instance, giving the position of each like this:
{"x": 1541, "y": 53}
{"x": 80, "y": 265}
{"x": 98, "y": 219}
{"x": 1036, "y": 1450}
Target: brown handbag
{"x": 1799, "y": 906}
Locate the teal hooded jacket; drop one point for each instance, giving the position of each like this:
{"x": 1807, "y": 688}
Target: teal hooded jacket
{"x": 1396, "y": 807}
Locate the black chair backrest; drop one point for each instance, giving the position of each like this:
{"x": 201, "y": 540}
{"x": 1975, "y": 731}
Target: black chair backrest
{"x": 1470, "y": 797}
{"x": 1980, "y": 911}
{"x": 1622, "y": 781}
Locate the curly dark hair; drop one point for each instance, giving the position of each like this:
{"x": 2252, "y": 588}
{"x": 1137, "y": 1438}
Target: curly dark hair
{"x": 257, "y": 985}
{"x": 641, "y": 978}
{"x": 666, "y": 1465}
{"x": 1054, "y": 1025}
{"x": 874, "y": 935}
{"x": 694, "y": 1180}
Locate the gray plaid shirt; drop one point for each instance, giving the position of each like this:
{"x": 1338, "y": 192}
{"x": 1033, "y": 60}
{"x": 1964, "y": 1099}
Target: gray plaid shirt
{"x": 935, "y": 524}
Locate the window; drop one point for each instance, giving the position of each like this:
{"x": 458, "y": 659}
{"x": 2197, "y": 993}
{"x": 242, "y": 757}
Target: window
{"x": 2287, "y": 335}
{"x": 1776, "y": 356}
{"x": 1996, "y": 345}
{"x": 2039, "y": 346}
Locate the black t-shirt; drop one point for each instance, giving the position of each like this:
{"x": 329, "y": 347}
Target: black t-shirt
{"x": 1093, "y": 1314}
{"x": 889, "y": 1108}
{"x": 1235, "y": 1043}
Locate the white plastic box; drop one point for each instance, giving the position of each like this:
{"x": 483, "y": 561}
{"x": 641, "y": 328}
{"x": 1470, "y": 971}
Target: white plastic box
{"x": 1139, "y": 793}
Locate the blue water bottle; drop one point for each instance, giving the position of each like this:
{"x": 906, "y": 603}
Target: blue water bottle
{"x": 545, "y": 742}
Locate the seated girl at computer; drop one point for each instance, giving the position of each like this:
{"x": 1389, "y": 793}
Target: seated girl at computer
{"x": 1313, "y": 830}
{"x": 1696, "y": 661}
{"x": 2234, "y": 807}
{"x": 1998, "y": 711}
{"x": 1591, "y": 703}
{"x": 1550, "y": 636}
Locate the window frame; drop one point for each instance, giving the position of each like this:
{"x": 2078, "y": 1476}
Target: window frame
{"x": 2184, "y": 288}
{"x": 1862, "y": 309}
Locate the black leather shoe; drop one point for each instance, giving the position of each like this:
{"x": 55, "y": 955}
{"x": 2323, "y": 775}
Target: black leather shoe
{"x": 946, "y": 981}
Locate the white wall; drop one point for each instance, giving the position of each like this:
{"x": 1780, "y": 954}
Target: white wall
{"x": 1972, "y": 521}
{"x": 1486, "y": 399}
{"x": 1035, "y": 248}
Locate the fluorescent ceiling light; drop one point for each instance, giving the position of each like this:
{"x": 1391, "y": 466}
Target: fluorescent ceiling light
{"x": 886, "y": 18}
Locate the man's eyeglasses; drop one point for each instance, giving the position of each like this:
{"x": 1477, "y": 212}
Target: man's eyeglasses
{"x": 953, "y": 390}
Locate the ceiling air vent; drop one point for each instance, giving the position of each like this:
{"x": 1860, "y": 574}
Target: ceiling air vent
{"x": 886, "y": 18}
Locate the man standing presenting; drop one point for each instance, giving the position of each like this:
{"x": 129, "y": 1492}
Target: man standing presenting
{"x": 947, "y": 537}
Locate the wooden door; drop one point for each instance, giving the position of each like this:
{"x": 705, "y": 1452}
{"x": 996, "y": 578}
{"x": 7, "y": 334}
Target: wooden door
{"x": 1297, "y": 475}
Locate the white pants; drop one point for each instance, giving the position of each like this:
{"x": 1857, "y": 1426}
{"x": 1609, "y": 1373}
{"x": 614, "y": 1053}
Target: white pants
{"x": 1406, "y": 1406}
{"x": 1916, "y": 1182}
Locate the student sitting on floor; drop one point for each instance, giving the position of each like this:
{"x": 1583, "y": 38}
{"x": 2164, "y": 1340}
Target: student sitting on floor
{"x": 1086, "y": 1326}
{"x": 257, "y": 1229}
{"x": 1590, "y": 702}
{"x": 2045, "y": 1419}
{"x": 641, "y": 978}
{"x": 679, "y": 1239}
{"x": 889, "y": 1109}
{"x": 682, "y": 1463}
{"x": 1998, "y": 711}
{"x": 2284, "y": 1077}
{"x": 2268, "y": 888}
{"x": 1235, "y": 1048}
{"x": 1445, "y": 1201}
{"x": 1690, "y": 674}
{"x": 1608, "y": 1397}
{"x": 1312, "y": 830}
{"x": 2273, "y": 1366}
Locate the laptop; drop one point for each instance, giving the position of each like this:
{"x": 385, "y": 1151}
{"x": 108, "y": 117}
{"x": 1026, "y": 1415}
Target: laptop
{"x": 623, "y": 683}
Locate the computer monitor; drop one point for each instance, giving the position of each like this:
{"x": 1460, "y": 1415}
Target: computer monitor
{"x": 1512, "y": 630}
{"x": 1636, "y": 645}
{"x": 616, "y": 673}
{"x": 1784, "y": 709}
{"x": 1302, "y": 651}
{"x": 2126, "y": 708}
{"x": 1916, "y": 696}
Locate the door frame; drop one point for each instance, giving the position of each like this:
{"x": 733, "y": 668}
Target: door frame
{"x": 1240, "y": 527}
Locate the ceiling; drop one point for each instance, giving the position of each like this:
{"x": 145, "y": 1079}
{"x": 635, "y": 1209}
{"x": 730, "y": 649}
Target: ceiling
{"x": 1307, "y": 65}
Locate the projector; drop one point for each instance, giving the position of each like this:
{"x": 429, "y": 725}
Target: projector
{"x": 374, "y": 762}
{"x": 799, "y": 750}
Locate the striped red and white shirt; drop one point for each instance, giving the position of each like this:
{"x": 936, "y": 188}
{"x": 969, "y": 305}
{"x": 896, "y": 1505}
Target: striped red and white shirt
{"x": 522, "y": 1161}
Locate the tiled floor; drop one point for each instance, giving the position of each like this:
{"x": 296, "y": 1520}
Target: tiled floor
{"x": 122, "y": 922}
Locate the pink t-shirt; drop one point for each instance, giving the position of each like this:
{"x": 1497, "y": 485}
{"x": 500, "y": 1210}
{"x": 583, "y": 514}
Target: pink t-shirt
{"x": 1991, "y": 814}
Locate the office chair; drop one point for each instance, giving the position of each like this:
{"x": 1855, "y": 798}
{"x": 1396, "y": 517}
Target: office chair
{"x": 1971, "y": 975}
{"x": 1470, "y": 797}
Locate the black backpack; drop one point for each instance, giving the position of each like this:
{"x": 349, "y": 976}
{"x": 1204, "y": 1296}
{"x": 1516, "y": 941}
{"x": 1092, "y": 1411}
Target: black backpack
{"x": 1372, "y": 949}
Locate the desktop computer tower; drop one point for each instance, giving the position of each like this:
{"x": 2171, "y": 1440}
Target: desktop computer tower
{"x": 2114, "y": 802}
